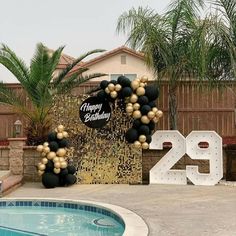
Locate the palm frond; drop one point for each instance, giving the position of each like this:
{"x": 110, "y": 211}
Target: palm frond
{"x": 66, "y": 71}
{"x": 14, "y": 64}
{"x": 75, "y": 81}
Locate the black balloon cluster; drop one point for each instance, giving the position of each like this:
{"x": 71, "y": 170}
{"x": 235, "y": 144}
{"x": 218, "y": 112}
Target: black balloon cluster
{"x": 54, "y": 167}
{"x": 140, "y": 102}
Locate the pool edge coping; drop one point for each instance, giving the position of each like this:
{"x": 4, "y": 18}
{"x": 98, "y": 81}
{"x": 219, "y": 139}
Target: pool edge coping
{"x": 134, "y": 224}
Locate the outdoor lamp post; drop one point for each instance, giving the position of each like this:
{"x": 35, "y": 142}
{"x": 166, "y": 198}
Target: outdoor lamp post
{"x": 18, "y": 128}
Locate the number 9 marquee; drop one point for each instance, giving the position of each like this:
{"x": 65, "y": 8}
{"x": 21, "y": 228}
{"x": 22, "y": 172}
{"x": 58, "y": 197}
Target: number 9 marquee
{"x": 162, "y": 173}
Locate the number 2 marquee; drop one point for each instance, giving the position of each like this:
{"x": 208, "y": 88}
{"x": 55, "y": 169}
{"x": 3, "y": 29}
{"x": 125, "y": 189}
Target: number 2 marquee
{"x": 162, "y": 173}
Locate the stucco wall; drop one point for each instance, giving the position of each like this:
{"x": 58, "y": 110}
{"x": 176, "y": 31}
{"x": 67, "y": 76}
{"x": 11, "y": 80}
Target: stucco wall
{"x": 112, "y": 65}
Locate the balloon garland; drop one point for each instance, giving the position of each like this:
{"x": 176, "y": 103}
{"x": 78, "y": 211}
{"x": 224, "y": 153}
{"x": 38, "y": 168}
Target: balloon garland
{"x": 140, "y": 100}
{"x": 54, "y": 167}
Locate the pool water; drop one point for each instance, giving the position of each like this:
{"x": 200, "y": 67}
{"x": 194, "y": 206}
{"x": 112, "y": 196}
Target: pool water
{"x": 57, "y": 222}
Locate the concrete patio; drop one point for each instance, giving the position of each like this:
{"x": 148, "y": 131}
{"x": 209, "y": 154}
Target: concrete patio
{"x": 167, "y": 209}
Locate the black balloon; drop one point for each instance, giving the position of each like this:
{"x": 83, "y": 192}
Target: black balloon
{"x": 102, "y": 95}
{"x": 70, "y": 179}
{"x": 151, "y": 92}
{"x": 137, "y": 123}
{"x": 104, "y": 84}
{"x": 50, "y": 180}
{"x": 49, "y": 166}
{"x": 144, "y": 129}
{"x": 53, "y": 146}
{"x": 62, "y": 181}
{"x": 143, "y": 100}
{"x": 148, "y": 138}
{"x": 145, "y": 109}
{"x": 63, "y": 143}
{"x": 71, "y": 169}
{"x": 113, "y": 82}
{"x": 152, "y": 104}
{"x": 131, "y": 135}
{"x": 124, "y": 81}
{"x": 52, "y": 136}
{"x": 64, "y": 172}
{"x": 126, "y": 92}
{"x": 151, "y": 125}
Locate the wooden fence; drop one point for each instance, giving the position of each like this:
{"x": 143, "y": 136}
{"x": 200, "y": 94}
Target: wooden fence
{"x": 198, "y": 109}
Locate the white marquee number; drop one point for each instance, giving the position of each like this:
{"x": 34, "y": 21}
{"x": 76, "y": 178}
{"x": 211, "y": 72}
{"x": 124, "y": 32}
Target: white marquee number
{"x": 161, "y": 172}
{"x": 213, "y": 153}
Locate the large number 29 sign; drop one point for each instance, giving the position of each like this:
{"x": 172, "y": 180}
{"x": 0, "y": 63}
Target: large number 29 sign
{"x": 162, "y": 173}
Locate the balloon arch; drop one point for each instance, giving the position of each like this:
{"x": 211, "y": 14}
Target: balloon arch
{"x": 140, "y": 103}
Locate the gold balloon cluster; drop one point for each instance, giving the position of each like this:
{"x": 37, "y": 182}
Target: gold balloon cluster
{"x": 113, "y": 89}
{"x": 58, "y": 157}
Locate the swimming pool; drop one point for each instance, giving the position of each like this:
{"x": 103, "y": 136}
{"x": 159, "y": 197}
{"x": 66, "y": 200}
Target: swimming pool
{"x": 21, "y": 217}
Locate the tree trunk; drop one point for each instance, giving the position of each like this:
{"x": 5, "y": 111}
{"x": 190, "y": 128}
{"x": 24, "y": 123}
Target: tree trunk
{"x": 173, "y": 107}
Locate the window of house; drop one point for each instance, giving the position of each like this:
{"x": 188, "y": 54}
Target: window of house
{"x": 129, "y": 76}
{"x": 123, "y": 59}
{"x": 115, "y": 76}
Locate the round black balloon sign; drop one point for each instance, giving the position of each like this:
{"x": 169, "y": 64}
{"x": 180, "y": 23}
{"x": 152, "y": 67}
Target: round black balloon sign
{"x": 94, "y": 113}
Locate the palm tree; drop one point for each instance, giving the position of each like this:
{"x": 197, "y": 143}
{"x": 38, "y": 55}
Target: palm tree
{"x": 40, "y": 85}
{"x": 177, "y": 44}
{"x": 225, "y": 30}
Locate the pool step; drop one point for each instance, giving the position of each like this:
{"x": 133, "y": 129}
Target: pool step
{"x": 9, "y": 182}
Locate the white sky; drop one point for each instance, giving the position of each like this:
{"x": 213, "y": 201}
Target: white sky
{"x": 81, "y": 25}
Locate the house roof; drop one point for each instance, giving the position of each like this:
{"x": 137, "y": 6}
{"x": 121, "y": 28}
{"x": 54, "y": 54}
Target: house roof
{"x": 106, "y": 55}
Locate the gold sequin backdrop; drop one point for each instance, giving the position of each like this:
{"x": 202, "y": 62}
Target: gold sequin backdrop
{"x": 101, "y": 155}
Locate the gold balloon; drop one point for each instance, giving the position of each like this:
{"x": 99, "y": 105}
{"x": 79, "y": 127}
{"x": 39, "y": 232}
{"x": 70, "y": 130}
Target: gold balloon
{"x": 137, "y": 144}
{"x": 60, "y": 135}
{"x": 145, "y": 120}
{"x": 40, "y": 172}
{"x": 42, "y": 166}
{"x": 142, "y": 85}
{"x": 129, "y": 109}
{"x": 44, "y": 161}
{"x": 61, "y": 159}
{"x": 142, "y": 138}
{"x": 159, "y": 113}
{"x": 46, "y": 149}
{"x": 65, "y": 134}
{"x": 45, "y": 144}
{"x": 43, "y": 154}
{"x": 140, "y": 91}
{"x": 133, "y": 98}
{"x": 51, "y": 155}
{"x": 61, "y": 152}
{"x": 56, "y": 170}
{"x": 145, "y": 145}
{"x": 60, "y": 128}
{"x": 118, "y": 87}
{"x": 136, "y": 106}
{"x": 113, "y": 94}
{"x": 111, "y": 87}
{"x": 56, "y": 159}
{"x": 129, "y": 104}
{"x": 39, "y": 148}
{"x": 63, "y": 164}
{"x": 155, "y": 119}
{"x": 107, "y": 90}
{"x": 144, "y": 79}
{"x": 57, "y": 164}
{"x": 151, "y": 114}
{"x": 137, "y": 114}
{"x": 56, "y": 130}
{"x": 134, "y": 84}
{"x": 154, "y": 109}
